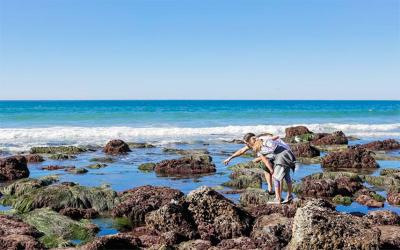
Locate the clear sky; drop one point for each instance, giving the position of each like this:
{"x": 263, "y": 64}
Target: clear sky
{"x": 204, "y": 49}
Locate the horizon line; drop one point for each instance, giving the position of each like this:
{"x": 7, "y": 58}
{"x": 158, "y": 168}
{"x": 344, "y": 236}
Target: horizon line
{"x": 3, "y": 100}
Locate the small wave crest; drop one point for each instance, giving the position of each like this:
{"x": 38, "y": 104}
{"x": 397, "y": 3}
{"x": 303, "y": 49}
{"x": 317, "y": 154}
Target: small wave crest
{"x": 20, "y": 139}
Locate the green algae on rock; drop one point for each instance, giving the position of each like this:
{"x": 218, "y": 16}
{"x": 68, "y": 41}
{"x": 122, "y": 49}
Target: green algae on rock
{"x": 102, "y": 159}
{"x": 60, "y": 157}
{"x": 97, "y": 165}
{"x": 59, "y": 229}
{"x": 343, "y": 200}
{"x": 147, "y": 167}
{"x": 244, "y": 181}
{"x": 27, "y": 185}
{"x": 58, "y": 150}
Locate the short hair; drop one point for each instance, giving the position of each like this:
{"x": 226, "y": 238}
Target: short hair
{"x": 247, "y": 137}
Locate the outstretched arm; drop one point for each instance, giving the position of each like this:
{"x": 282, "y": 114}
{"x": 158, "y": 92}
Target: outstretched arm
{"x": 236, "y": 154}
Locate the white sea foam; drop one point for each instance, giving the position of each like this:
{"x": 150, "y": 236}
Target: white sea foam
{"x": 17, "y": 139}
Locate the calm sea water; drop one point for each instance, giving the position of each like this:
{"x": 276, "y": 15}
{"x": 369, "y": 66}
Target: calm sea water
{"x": 23, "y": 123}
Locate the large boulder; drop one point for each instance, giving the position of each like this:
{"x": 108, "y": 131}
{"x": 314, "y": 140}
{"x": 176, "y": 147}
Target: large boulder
{"x": 350, "y": 158}
{"x": 23, "y": 186}
{"x": 297, "y": 130}
{"x": 119, "y": 241}
{"x": 115, "y": 147}
{"x": 393, "y": 196}
{"x": 245, "y": 178}
{"x": 15, "y": 234}
{"x": 59, "y": 229}
{"x": 137, "y": 202}
{"x": 64, "y": 195}
{"x": 216, "y": 217}
{"x": 318, "y": 227}
{"x": 187, "y": 165}
{"x": 383, "y": 217}
{"x": 390, "y": 237}
{"x": 304, "y": 150}
{"x": 33, "y": 158}
{"x": 385, "y": 145}
{"x": 318, "y": 188}
{"x": 272, "y": 231}
{"x": 337, "y": 137}
{"x": 12, "y": 168}
{"x": 174, "y": 218}
{"x": 79, "y": 213}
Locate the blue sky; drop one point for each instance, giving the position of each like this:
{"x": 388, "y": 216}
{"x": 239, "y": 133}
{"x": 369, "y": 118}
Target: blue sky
{"x": 217, "y": 49}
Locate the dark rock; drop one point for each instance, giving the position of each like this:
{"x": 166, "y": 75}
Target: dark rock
{"x": 383, "y": 217}
{"x": 216, "y": 217}
{"x": 195, "y": 245}
{"x": 393, "y": 197}
{"x": 76, "y": 170}
{"x": 103, "y": 159}
{"x": 304, "y": 150}
{"x": 390, "y": 237}
{"x": 317, "y": 227}
{"x": 119, "y": 241}
{"x": 56, "y": 167}
{"x": 114, "y": 147}
{"x": 188, "y": 165}
{"x": 172, "y": 218}
{"x": 58, "y": 150}
{"x": 140, "y": 145}
{"x": 61, "y": 157}
{"x": 337, "y": 137}
{"x": 254, "y": 197}
{"x": 318, "y": 188}
{"x": 298, "y": 130}
{"x": 185, "y": 151}
{"x": 15, "y": 234}
{"x": 245, "y": 178}
{"x": 287, "y": 210}
{"x": 272, "y": 231}
{"x": 97, "y": 165}
{"x": 241, "y": 243}
{"x": 13, "y": 167}
{"x": 137, "y": 202}
{"x": 350, "y": 158}
{"x": 347, "y": 186}
{"x": 147, "y": 167}
{"x": 33, "y": 158}
{"x": 384, "y": 145}
{"x": 79, "y": 213}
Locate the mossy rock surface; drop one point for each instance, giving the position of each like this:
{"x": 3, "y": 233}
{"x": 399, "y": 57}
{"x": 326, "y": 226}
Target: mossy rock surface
{"x": 249, "y": 164}
{"x": 140, "y": 145}
{"x": 385, "y": 181}
{"x": 97, "y": 165}
{"x": 64, "y": 196}
{"x": 147, "y": 167}
{"x": 60, "y": 157}
{"x": 102, "y": 159}
{"x": 331, "y": 148}
{"x": 59, "y": 229}
{"x": 343, "y": 200}
{"x": 24, "y": 186}
{"x": 309, "y": 160}
{"x": 58, "y": 150}
{"x": 300, "y": 138}
{"x": 244, "y": 181}
{"x": 77, "y": 170}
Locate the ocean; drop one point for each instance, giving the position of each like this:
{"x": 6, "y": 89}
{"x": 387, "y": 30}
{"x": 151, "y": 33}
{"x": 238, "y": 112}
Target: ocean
{"x": 27, "y": 123}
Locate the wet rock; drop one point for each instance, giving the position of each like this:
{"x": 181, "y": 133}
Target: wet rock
{"x": 188, "y": 165}
{"x": 337, "y": 137}
{"x": 390, "y": 237}
{"x": 79, "y": 213}
{"x": 186, "y": 151}
{"x": 61, "y": 157}
{"x": 173, "y": 218}
{"x": 77, "y": 170}
{"x": 119, "y": 241}
{"x": 392, "y": 172}
{"x": 350, "y": 158}
{"x": 216, "y": 217}
{"x": 56, "y": 167}
{"x": 343, "y": 200}
{"x": 304, "y": 150}
{"x": 103, "y": 159}
{"x": 58, "y": 228}
{"x": 393, "y": 197}
{"x": 247, "y": 165}
{"x": 383, "y": 217}
{"x": 140, "y": 145}
{"x": 27, "y": 185}
{"x": 368, "y": 201}
{"x": 384, "y": 145}
{"x": 297, "y": 130}
{"x": 331, "y": 148}
{"x": 245, "y": 178}
{"x": 318, "y": 188}
{"x": 58, "y": 150}
{"x": 241, "y": 243}
{"x": 33, "y": 158}
{"x": 272, "y": 231}
{"x": 254, "y": 197}
{"x": 115, "y": 147}
{"x": 382, "y": 181}
{"x": 347, "y": 186}
{"x": 287, "y": 210}
{"x": 12, "y": 168}
{"x": 318, "y": 227}
{"x": 97, "y": 166}
{"x": 137, "y": 202}
{"x": 61, "y": 196}
{"x": 309, "y": 161}
{"x": 15, "y": 234}
{"x": 195, "y": 245}
{"x": 147, "y": 167}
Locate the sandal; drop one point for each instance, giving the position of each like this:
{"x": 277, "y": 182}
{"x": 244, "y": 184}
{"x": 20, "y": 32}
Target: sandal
{"x": 288, "y": 199}
{"x": 270, "y": 192}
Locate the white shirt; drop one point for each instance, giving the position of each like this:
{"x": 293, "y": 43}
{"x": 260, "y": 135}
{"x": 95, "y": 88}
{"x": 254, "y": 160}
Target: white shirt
{"x": 269, "y": 145}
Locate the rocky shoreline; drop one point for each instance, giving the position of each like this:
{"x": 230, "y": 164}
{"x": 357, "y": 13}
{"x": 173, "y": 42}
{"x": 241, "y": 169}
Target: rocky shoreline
{"x": 48, "y": 213}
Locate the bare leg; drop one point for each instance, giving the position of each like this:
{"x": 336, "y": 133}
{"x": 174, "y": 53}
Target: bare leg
{"x": 268, "y": 177}
{"x": 289, "y": 189}
{"x": 278, "y": 191}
